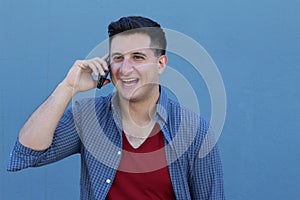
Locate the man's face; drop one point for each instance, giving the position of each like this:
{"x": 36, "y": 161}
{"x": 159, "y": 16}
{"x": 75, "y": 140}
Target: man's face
{"x": 135, "y": 69}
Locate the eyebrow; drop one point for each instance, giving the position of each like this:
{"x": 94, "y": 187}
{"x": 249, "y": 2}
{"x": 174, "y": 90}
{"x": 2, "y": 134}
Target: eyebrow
{"x": 134, "y": 53}
{"x": 139, "y": 53}
{"x": 113, "y": 54}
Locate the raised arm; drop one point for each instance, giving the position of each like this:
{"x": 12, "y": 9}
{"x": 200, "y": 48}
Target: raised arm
{"x": 37, "y": 133}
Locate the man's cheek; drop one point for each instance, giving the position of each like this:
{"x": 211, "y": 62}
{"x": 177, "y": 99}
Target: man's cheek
{"x": 113, "y": 78}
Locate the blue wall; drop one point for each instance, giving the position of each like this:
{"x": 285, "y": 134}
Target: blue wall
{"x": 255, "y": 45}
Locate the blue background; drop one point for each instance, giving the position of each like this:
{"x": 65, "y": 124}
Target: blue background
{"x": 255, "y": 45}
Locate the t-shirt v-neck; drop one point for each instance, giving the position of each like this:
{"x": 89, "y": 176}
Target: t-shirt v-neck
{"x": 143, "y": 172}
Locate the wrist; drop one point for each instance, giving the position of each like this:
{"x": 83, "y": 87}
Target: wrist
{"x": 65, "y": 90}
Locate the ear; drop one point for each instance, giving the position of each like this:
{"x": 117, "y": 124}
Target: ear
{"x": 163, "y": 61}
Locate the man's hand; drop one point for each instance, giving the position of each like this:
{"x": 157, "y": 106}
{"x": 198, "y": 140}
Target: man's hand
{"x": 80, "y": 77}
{"x": 37, "y": 133}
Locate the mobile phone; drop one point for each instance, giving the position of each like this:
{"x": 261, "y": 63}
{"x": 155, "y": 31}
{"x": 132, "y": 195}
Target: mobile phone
{"x": 101, "y": 79}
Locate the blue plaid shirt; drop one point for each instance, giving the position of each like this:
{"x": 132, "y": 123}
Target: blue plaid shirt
{"x": 92, "y": 127}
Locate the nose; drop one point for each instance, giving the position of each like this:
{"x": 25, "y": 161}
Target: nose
{"x": 126, "y": 66}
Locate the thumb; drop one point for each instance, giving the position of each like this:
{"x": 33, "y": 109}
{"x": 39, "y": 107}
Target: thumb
{"x": 107, "y": 81}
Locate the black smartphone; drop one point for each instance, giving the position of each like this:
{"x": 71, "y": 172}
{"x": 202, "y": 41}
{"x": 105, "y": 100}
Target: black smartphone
{"x": 101, "y": 79}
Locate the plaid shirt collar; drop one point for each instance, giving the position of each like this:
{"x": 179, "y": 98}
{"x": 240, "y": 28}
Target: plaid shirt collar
{"x": 161, "y": 113}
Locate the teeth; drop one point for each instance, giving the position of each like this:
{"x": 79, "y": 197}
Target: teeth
{"x": 129, "y": 80}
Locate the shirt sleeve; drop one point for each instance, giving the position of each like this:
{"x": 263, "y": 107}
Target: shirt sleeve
{"x": 65, "y": 143}
{"x": 206, "y": 174}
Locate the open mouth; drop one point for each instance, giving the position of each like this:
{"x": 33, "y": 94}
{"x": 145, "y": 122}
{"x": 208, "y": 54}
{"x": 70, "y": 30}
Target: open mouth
{"x": 129, "y": 82}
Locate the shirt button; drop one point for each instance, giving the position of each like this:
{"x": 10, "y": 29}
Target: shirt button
{"x": 119, "y": 152}
{"x": 108, "y": 181}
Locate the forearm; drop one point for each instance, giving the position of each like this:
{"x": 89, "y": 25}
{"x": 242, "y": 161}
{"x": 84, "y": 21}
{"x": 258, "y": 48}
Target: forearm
{"x": 37, "y": 133}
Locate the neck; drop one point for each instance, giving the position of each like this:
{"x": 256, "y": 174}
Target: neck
{"x": 139, "y": 112}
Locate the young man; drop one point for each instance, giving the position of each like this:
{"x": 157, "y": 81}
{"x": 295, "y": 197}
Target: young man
{"x": 135, "y": 143}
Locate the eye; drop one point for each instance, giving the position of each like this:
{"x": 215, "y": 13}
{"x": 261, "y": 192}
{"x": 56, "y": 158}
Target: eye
{"x": 138, "y": 57}
{"x": 118, "y": 59}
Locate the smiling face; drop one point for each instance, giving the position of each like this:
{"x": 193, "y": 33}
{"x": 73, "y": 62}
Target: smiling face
{"x": 135, "y": 69}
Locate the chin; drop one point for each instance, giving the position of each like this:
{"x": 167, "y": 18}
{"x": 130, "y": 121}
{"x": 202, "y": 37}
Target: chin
{"x": 130, "y": 97}
{"x": 136, "y": 94}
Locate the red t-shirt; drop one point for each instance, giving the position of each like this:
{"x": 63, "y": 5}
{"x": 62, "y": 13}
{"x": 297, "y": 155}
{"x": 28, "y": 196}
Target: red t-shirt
{"x": 143, "y": 176}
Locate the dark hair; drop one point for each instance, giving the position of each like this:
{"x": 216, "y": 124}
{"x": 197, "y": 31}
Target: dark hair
{"x": 138, "y": 24}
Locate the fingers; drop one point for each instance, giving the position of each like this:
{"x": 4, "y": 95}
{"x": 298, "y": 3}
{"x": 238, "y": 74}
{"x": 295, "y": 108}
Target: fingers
{"x": 96, "y": 65}
{"x": 102, "y": 62}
